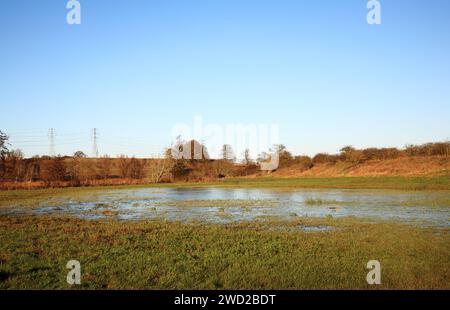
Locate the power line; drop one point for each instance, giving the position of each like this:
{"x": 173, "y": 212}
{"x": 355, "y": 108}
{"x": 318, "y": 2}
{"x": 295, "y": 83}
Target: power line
{"x": 94, "y": 143}
{"x": 37, "y": 141}
{"x": 45, "y": 140}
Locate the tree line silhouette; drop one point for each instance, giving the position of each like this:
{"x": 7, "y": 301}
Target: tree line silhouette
{"x": 196, "y": 164}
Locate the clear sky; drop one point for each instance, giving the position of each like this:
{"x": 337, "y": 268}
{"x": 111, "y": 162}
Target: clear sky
{"x": 134, "y": 69}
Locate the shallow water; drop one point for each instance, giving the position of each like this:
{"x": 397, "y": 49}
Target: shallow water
{"x": 218, "y": 205}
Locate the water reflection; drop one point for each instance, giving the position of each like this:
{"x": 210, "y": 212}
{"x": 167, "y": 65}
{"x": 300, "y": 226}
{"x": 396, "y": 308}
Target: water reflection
{"x": 220, "y": 205}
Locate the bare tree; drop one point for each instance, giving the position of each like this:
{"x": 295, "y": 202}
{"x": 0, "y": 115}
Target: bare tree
{"x": 123, "y": 164}
{"x": 3, "y": 151}
{"x": 53, "y": 169}
{"x": 247, "y": 158}
{"x": 15, "y": 166}
{"x": 136, "y": 168}
{"x": 263, "y": 157}
{"x": 104, "y": 165}
{"x": 32, "y": 169}
{"x": 227, "y": 153}
{"x": 158, "y": 168}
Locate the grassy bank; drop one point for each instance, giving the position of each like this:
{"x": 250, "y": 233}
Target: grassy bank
{"x": 258, "y": 255}
{"x": 397, "y": 183}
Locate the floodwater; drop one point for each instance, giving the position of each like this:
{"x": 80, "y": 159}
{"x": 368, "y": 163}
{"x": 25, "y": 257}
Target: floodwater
{"x": 219, "y": 205}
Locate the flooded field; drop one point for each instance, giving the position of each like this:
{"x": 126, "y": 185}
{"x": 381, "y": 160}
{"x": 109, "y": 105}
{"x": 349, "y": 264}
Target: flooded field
{"x": 220, "y": 205}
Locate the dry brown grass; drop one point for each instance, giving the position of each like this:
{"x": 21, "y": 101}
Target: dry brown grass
{"x": 205, "y": 171}
{"x": 402, "y": 166}
{"x": 61, "y": 184}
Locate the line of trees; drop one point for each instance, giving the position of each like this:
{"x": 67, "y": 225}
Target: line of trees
{"x": 79, "y": 170}
{"x": 353, "y": 155}
{"x": 3, "y": 153}
{"x": 356, "y": 156}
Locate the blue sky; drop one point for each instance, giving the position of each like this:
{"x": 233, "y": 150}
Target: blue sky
{"x": 134, "y": 69}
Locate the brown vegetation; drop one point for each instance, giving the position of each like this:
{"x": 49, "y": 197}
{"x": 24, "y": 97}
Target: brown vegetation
{"x": 18, "y": 172}
{"x": 402, "y": 166}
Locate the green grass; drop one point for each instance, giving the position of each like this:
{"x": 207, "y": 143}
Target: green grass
{"x": 266, "y": 254}
{"x": 396, "y": 183}
{"x": 256, "y": 255}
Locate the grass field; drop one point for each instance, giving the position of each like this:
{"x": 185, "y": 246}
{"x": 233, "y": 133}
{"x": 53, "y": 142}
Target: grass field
{"x": 397, "y": 183}
{"x": 256, "y": 255}
{"x": 263, "y": 254}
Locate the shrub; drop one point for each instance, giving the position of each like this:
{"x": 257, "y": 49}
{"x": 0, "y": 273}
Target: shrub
{"x": 324, "y": 158}
{"x": 223, "y": 168}
{"x": 429, "y": 149}
{"x": 304, "y": 161}
{"x": 53, "y": 169}
{"x": 350, "y": 154}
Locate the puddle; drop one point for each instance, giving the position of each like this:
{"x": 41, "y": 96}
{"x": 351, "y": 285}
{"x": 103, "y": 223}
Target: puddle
{"x": 217, "y": 205}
